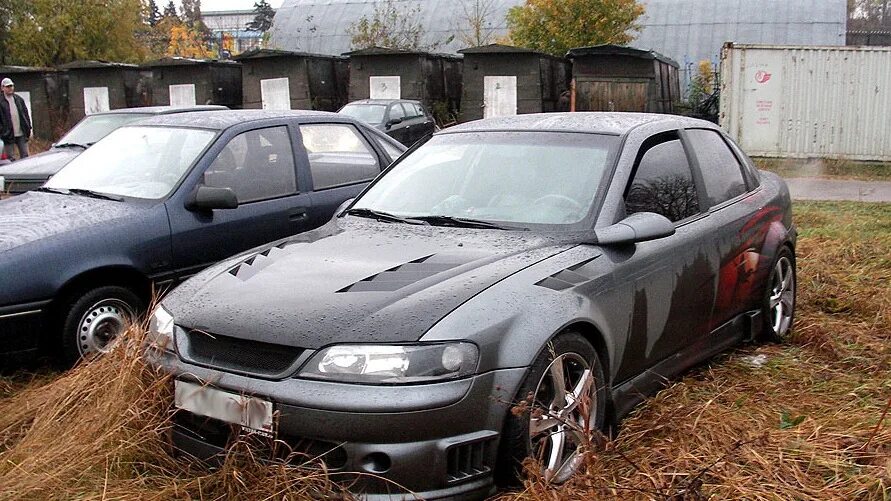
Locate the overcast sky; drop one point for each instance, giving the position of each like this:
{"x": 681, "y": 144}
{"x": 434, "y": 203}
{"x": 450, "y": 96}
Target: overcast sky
{"x": 210, "y": 5}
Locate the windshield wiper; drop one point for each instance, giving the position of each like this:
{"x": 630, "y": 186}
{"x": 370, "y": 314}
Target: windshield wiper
{"x": 60, "y": 191}
{"x": 462, "y": 222}
{"x": 95, "y": 194}
{"x": 382, "y": 216}
{"x": 71, "y": 145}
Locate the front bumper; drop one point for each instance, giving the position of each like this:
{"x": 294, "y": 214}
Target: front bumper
{"x": 422, "y": 441}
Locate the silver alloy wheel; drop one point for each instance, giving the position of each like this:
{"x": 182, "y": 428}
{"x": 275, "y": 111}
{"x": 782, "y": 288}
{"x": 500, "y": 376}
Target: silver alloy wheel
{"x": 782, "y": 297}
{"x": 101, "y": 325}
{"x": 565, "y": 396}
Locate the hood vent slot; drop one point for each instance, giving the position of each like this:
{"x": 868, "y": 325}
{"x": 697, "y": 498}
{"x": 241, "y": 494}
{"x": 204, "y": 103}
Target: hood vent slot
{"x": 403, "y": 275}
{"x": 572, "y": 276}
{"x": 254, "y": 264}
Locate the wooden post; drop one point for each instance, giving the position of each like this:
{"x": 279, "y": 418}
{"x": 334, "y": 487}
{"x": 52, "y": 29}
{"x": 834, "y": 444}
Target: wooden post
{"x": 572, "y": 95}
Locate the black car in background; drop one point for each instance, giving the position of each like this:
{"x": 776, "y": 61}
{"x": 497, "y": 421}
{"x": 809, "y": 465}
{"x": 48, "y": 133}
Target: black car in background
{"x": 403, "y": 120}
{"x": 502, "y": 291}
{"x": 155, "y": 202}
{"x": 30, "y": 173}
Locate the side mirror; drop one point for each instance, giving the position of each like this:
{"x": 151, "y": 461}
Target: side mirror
{"x": 638, "y": 227}
{"x": 209, "y": 197}
{"x": 393, "y": 121}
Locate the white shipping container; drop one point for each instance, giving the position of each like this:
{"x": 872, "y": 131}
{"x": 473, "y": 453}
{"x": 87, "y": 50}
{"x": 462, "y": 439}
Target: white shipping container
{"x": 804, "y": 101}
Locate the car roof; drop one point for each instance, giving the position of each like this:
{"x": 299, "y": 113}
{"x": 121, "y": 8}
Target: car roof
{"x": 163, "y": 110}
{"x": 384, "y": 101}
{"x": 227, "y": 118}
{"x": 616, "y": 123}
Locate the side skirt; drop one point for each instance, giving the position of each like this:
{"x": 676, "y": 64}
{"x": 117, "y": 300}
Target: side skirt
{"x": 630, "y": 393}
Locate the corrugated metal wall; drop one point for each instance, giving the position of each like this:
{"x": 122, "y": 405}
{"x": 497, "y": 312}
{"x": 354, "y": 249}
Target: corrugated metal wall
{"x": 800, "y": 102}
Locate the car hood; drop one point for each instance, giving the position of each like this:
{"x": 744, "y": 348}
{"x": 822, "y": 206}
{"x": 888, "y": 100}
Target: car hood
{"x": 35, "y": 215}
{"x": 356, "y": 281}
{"x": 40, "y": 166}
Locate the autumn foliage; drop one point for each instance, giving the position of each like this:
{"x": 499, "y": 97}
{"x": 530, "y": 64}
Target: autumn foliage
{"x": 187, "y": 42}
{"x": 555, "y": 26}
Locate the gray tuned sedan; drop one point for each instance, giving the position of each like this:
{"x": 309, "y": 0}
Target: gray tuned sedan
{"x": 30, "y": 173}
{"x": 498, "y": 293}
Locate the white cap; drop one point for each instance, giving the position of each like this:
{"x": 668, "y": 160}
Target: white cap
{"x": 6, "y": 82}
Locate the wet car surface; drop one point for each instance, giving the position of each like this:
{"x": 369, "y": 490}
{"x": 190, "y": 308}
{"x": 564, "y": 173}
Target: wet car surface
{"x": 156, "y": 201}
{"x": 497, "y": 293}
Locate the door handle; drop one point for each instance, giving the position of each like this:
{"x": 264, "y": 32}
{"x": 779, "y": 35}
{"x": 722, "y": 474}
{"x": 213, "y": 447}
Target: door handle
{"x": 298, "y": 214}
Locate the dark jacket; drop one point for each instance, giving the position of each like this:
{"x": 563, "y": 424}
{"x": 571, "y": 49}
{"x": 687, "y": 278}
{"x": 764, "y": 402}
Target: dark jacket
{"x": 6, "y": 132}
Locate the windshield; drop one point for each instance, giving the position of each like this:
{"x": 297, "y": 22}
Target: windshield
{"x": 141, "y": 162}
{"x": 518, "y": 178}
{"x": 93, "y": 128}
{"x": 370, "y": 113}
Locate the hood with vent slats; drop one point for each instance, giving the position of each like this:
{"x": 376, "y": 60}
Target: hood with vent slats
{"x": 354, "y": 280}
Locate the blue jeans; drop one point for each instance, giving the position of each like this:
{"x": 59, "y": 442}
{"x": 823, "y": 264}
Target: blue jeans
{"x": 21, "y": 142}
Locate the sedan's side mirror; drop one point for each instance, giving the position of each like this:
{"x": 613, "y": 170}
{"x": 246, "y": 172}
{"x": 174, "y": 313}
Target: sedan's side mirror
{"x": 210, "y": 197}
{"x": 638, "y": 227}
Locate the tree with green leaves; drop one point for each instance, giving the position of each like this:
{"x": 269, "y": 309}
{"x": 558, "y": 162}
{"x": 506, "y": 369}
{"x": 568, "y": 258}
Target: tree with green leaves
{"x": 390, "y": 26}
{"x": 170, "y": 10}
{"x": 263, "y": 15}
{"x": 191, "y": 12}
{"x": 869, "y": 15}
{"x": 6, "y": 18}
{"x": 555, "y": 26}
{"x": 52, "y": 32}
{"x": 153, "y": 15}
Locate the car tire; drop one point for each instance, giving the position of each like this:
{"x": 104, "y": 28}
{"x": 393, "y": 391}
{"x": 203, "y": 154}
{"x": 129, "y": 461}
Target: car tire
{"x": 92, "y": 319}
{"x": 521, "y": 438}
{"x": 778, "y": 303}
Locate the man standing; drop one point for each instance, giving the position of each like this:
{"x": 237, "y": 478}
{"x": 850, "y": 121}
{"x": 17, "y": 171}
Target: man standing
{"x": 15, "y": 124}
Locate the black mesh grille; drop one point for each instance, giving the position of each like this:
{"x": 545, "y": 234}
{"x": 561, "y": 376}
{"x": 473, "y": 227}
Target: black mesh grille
{"x": 239, "y": 355}
{"x": 296, "y": 450}
{"x": 468, "y": 460}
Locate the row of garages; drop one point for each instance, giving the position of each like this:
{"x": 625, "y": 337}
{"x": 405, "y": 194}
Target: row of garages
{"x": 494, "y": 80}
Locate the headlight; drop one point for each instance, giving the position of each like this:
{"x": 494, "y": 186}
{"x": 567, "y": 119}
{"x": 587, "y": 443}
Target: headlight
{"x": 160, "y": 330}
{"x": 393, "y": 364}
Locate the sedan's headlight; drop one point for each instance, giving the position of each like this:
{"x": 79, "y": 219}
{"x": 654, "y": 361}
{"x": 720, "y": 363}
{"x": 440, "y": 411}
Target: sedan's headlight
{"x": 393, "y": 364}
{"x": 160, "y": 330}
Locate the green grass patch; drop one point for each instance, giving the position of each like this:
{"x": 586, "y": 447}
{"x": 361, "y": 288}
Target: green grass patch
{"x": 826, "y": 168}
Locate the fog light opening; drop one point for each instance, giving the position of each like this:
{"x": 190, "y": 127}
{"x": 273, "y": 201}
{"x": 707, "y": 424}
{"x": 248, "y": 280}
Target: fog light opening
{"x": 376, "y": 462}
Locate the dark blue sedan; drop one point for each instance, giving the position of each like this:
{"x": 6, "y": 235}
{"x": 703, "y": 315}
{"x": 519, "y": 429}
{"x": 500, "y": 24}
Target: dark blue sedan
{"x": 160, "y": 199}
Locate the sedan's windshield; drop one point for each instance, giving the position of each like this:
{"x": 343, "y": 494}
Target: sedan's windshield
{"x": 95, "y": 127}
{"x": 515, "y": 178}
{"x": 141, "y": 162}
{"x": 369, "y": 113}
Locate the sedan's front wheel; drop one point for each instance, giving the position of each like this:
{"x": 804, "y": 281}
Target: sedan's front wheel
{"x": 94, "y": 320}
{"x": 562, "y": 404}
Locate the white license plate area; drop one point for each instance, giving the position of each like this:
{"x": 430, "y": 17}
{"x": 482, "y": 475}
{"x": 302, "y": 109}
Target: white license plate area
{"x": 249, "y": 412}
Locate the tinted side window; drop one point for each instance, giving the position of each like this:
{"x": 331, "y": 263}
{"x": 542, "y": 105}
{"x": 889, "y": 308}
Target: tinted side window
{"x": 663, "y": 183}
{"x": 337, "y": 155}
{"x": 721, "y": 171}
{"x": 257, "y": 165}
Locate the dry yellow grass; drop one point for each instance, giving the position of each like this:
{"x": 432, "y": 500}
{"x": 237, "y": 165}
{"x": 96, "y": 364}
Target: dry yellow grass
{"x": 807, "y": 424}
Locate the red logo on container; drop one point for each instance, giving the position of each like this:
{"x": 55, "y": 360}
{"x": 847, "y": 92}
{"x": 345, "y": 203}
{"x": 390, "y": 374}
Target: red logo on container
{"x": 762, "y": 77}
